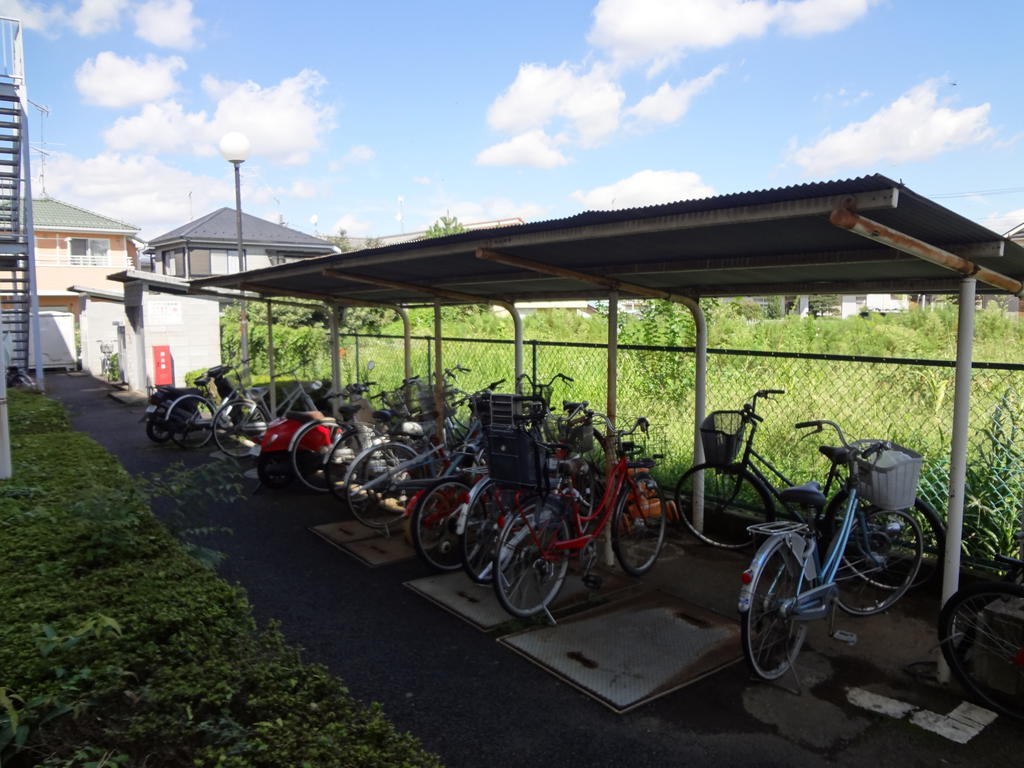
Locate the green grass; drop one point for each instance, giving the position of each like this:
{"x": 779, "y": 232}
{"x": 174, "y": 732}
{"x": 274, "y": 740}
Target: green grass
{"x": 117, "y": 648}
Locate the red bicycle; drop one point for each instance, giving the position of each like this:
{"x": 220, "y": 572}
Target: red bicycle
{"x": 551, "y": 522}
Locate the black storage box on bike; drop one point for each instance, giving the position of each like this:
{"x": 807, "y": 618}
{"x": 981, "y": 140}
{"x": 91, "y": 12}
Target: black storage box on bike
{"x": 515, "y": 457}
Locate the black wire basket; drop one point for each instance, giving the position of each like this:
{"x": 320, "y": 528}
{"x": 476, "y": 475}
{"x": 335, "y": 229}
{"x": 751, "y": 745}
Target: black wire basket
{"x": 721, "y": 435}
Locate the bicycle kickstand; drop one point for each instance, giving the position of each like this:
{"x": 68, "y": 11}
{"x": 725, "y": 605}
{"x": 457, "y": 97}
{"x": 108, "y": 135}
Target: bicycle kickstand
{"x": 843, "y": 636}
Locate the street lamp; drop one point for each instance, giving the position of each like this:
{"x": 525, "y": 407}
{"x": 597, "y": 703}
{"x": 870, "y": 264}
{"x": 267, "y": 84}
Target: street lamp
{"x": 234, "y": 147}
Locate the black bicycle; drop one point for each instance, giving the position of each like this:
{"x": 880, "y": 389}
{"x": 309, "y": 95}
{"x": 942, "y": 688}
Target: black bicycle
{"x": 737, "y": 487}
{"x": 981, "y": 631}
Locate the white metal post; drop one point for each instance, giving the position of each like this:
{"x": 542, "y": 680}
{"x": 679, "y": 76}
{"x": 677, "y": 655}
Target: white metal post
{"x": 700, "y": 389}
{"x": 270, "y": 358}
{"x": 438, "y": 375}
{"x": 335, "y": 359}
{"x": 613, "y": 386}
{"x": 5, "y": 432}
{"x": 30, "y": 246}
{"x": 958, "y": 449}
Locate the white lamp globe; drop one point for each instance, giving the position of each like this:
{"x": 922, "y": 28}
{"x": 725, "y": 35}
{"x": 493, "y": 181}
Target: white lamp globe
{"x": 235, "y": 147}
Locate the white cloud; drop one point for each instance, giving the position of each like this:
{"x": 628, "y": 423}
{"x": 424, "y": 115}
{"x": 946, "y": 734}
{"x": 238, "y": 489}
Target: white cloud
{"x": 112, "y": 81}
{"x": 167, "y": 23}
{"x": 46, "y": 21}
{"x": 283, "y": 122}
{"x": 352, "y": 226}
{"x": 492, "y": 209}
{"x": 425, "y": 180}
{"x": 668, "y": 104}
{"x": 1004, "y": 222}
{"x": 658, "y": 32}
{"x": 586, "y": 104}
{"x": 533, "y": 148}
{"x": 140, "y": 190}
{"x": 358, "y": 154}
{"x": 95, "y": 17}
{"x": 303, "y": 190}
{"x": 914, "y": 127}
{"x": 645, "y": 188}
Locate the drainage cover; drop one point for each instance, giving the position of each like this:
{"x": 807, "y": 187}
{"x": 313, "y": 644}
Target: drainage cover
{"x": 633, "y": 650}
{"x": 364, "y": 543}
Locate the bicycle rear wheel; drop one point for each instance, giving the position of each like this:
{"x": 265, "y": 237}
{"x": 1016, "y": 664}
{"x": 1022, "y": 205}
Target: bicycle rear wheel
{"x": 771, "y": 637}
{"x": 638, "y": 526}
{"x": 979, "y": 629}
{"x": 881, "y": 559}
{"x": 433, "y": 524}
{"x": 733, "y": 500}
{"x": 238, "y": 426}
{"x": 488, "y": 510}
{"x": 347, "y": 446}
{"x": 374, "y": 484}
{"x": 190, "y": 421}
{"x": 528, "y": 571}
{"x": 311, "y": 447}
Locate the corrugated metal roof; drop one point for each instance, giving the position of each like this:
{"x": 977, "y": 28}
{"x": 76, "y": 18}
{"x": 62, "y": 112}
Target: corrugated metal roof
{"x": 48, "y": 213}
{"x": 220, "y": 226}
{"x": 749, "y": 243}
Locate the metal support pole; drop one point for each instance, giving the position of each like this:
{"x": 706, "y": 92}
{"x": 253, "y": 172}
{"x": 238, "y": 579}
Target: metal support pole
{"x": 407, "y": 339}
{"x": 958, "y": 449}
{"x": 534, "y": 345}
{"x": 517, "y": 325}
{"x": 355, "y": 336}
{"x": 438, "y": 375}
{"x": 243, "y": 317}
{"x": 30, "y": 253}
{"x": 334, "y": 322}
{"x": 5, "y": 432}
{"x": 700, "y": 362}
{"x": 270, "y": 357}
{"x": 613, "y": 382}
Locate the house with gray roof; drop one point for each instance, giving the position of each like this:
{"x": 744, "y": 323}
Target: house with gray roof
{"x": 208, "y": 246}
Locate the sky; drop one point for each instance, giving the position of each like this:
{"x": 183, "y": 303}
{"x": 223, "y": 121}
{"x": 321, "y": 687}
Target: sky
{"x": 379, "y": 117}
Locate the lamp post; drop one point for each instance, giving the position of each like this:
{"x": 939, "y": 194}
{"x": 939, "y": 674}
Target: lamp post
{"x": 234, "y": 147}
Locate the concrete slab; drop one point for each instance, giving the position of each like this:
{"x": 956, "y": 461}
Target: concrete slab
{"x": 364, "y": 543}
{"x": 634, "y": 650}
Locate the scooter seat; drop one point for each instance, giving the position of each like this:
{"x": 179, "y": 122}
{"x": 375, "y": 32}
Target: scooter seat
{"x": 304, "y": 417}
{"x": 176, "y": 392}
{"x": 348, "y": 411}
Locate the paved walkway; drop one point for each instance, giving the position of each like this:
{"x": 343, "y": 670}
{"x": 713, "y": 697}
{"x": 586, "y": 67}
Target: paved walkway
{"x": 478, "y": 704}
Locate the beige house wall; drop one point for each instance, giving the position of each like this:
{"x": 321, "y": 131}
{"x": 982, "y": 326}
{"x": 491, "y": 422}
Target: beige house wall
{"x": 55, "y": 273}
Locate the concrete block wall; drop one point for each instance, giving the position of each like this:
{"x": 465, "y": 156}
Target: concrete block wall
{"x": 190, "y": 326}
{"x": 97, "y": 326}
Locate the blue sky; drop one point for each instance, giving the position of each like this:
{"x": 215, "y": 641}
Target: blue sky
{"x": 379, "y": 117}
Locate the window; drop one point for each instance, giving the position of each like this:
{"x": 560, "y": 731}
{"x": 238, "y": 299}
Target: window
{"x": 174, "y": 262}
{"x": 89, "y": 252}
{"x": 223, "y": 262}
{"x": 199, "y": 262}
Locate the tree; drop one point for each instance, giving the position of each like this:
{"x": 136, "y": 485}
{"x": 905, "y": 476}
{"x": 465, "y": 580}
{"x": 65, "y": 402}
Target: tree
{"x": 446, "y": 225}
{"x": 340, "y": 241}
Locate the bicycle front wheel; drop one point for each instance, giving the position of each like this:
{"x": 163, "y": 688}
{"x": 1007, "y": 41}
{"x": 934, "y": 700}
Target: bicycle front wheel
{"x": 238, "y": 426}
{"x": 375, "y": 484}
{"x": 528, "y": 570}
{"x": 190, "y": 421}
{"x": 771, "y": 637}
{"x": 733, "y": 500}
{"x": 311, "y": 447}
{"x": 881, "y": 559}
{"x": 638, "y": 526}
{"x": 979, "y": 629}
{"x": 490, "y": 507}
{"x": 433, "y": 524}
{"x": 347, "y": 446}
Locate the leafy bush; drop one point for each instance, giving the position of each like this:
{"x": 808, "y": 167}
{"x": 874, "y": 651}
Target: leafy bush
{"x": 117, "y": 648}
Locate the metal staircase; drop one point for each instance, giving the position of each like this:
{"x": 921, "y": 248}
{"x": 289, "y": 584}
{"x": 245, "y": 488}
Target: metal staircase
{"x": 18, "y": 295}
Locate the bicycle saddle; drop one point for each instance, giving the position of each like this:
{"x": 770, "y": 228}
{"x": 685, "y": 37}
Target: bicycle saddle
{"x": 304, "y": 417}
{"x": 808, "y": 495}
{"x": 834, "y": 453}
{"x": 348, "y": 411}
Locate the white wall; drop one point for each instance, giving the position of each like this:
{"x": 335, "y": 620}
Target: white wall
{"x": 189, "y": 325}
{"x": 97, "y": 325}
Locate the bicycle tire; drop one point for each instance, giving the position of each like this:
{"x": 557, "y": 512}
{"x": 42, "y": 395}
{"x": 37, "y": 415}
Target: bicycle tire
{"x": 733, "y": 500}
{"x": 238, "y": 426}
{"x": 353, "y": 440}
{"x": 310, "y": 466}
{"x": 772, "y": 640}
{"x": 274, "y": 469}
{"x": 373, "y": 489}
{"x": 979, "y": 633}
{"x": 877, "y": 569}
{"x": 489, "y": 507}
{"x": 190, "y": 421}
{"x": 156, "y": 429}
{"x": 432, "y": 525}
{"x": 528, "y": 573}
{"x": 933, "y": 531}
{"x": 638, "y": 525}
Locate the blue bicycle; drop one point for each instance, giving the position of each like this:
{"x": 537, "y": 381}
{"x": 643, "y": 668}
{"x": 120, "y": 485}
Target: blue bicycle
{"x": 870, "y": 560}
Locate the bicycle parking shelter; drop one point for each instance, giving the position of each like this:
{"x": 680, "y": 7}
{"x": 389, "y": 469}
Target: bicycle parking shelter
{"x": 863, "y": 235}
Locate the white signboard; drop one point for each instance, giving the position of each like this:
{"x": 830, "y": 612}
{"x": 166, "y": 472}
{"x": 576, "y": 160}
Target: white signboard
{"x": 163, "y": 312}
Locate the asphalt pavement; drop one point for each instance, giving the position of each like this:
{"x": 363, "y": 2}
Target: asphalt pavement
{"x": 476, "y": 703}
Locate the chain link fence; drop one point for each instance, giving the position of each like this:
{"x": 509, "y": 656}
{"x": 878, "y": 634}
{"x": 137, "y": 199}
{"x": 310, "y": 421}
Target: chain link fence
{"x": 904, "y": 400}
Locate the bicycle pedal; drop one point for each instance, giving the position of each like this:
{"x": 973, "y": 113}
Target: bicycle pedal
{"x": 592, "y": 581}
{"x": 850, "y": 638}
